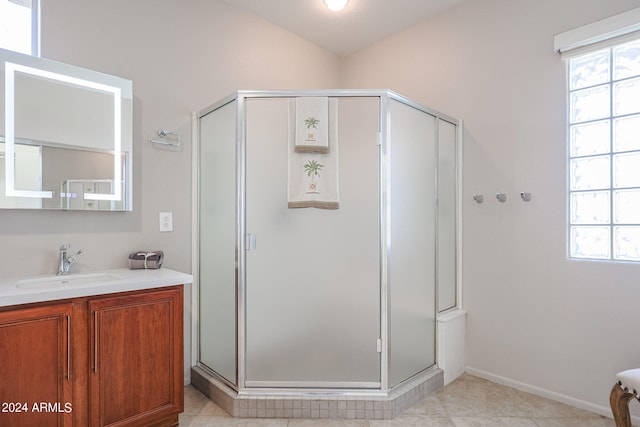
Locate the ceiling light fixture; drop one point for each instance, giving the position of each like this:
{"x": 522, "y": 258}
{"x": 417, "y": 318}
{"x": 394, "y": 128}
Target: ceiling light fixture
{"x": 336, "y": 5}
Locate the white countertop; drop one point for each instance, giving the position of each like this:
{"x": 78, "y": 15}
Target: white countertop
{"x": 24, "y": 290}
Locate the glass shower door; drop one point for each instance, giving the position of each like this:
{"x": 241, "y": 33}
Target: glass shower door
{"x": 312, "y": 275}
{"x": 217, "y": 242}
{"x": 412, "y": 265}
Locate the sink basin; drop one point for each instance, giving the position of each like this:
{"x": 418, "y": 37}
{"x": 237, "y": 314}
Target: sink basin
{"x": 69, "y": 281}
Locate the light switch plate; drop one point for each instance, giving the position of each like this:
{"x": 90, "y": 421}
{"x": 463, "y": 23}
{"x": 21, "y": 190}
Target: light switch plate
{"x": 166, "y": 221}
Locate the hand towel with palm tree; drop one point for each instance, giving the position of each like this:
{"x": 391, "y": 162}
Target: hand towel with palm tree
{"x": 312, "y": 124}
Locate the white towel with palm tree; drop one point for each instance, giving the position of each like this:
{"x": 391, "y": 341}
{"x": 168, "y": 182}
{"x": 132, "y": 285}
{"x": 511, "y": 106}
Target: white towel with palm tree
{"x": 312, "y": 124}
{"x": 313, "y": 177}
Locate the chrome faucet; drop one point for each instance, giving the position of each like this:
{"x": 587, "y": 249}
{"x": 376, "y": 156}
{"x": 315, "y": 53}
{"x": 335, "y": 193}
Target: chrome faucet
{"x": 65, "y": 261}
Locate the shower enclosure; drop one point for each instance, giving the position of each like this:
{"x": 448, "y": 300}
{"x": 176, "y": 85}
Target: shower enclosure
{"x": 336, "y": 295}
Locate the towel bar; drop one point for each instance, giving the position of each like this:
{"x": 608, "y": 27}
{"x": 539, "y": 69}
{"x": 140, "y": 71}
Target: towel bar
{"x": 164, "y": 134}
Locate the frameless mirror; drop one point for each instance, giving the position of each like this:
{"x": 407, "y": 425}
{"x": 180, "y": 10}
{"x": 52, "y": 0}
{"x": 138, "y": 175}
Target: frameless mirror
{"x": 65, "y": 136}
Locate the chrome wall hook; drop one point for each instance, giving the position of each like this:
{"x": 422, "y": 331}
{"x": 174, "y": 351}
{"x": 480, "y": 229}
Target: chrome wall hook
{"x": 479, "y": 198}
{"x": 502, "y": 197}
{"x": 526, "y": 197}
{"x": 169, "y": 135}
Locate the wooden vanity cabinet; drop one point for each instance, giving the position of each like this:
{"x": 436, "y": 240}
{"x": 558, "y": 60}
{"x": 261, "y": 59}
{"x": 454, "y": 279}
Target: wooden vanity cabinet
{"x": 106, "y": 360}
{"x": 35, "y": 366}
{"x": 136, "y": 359}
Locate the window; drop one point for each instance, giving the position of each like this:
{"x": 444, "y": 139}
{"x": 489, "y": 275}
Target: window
{"x": 604, "y": 153}
{"x": 19, "y": 26}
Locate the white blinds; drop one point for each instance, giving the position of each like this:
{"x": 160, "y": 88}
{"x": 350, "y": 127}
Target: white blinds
{"x": 603, "y": 33}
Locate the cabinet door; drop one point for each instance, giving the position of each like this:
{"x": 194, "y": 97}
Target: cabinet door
{"x": 137, "y": 359}
{"x": 35, "y": 366}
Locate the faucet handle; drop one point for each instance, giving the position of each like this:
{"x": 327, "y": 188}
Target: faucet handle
{"x": 65, "y": 247}
{"x": 73, "y": 257}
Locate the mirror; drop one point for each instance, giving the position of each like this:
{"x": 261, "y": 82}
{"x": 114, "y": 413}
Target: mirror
{"x": 65, "y": 136}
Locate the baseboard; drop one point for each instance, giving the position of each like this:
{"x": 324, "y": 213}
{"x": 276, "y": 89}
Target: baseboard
{"x": 605, "y": 411}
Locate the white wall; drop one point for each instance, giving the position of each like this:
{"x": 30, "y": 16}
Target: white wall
{"x": 536, "y": 320}
{"x": 182, "y": 56}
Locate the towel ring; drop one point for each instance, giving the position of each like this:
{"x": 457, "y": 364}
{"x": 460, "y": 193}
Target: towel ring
{"x": 163, "y": 134}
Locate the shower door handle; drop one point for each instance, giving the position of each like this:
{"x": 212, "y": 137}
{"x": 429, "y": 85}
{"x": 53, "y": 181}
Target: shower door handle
{"x": 249, "y": 242}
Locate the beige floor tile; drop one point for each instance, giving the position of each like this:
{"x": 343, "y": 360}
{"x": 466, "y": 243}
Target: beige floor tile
{"x": 246, "y": 422}
{"x": 536, "y": 406}
{"x": 328, "y": 423}
{"x": 572, "y": 422}
{"x": 493, "y": 422}
{"x": 473, "y": 397}
{"x": 413, "y": 421}
{"x": 431, "y": 406}
{"x": 194, "y": 420}
{"x": 470, "y": 396}
{"x": 196, "y": 403}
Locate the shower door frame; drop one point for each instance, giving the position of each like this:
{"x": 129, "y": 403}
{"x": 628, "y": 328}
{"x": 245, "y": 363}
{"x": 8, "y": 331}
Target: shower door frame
{"x": 385, "y": 250}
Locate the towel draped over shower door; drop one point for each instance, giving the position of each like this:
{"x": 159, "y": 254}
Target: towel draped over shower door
{"x": 313, "y": 172}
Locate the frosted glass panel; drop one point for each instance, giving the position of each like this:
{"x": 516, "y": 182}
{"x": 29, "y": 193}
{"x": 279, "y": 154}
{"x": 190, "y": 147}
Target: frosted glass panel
{"x": 590, "y": 173}
{"x": 590, "y": 242}
{"x": 625, "y": 170}
{"x": 626, "y": 207}
{"x": 625, "y": 133}
{"x": 412, "y": 265}
{"x": 625, "y": 97}
{"x": 218, "y": 242}
{"x": 590, "y": 207}
{"x": 589, "y": 139}
{"x": 446, "y": 215}
{"x": 589, "y": 104}
{"x": 627, "y": 243}
{"x": 312, "y": 282}
{"x": 589, "y": 70}
{"x": 626, "y": 60}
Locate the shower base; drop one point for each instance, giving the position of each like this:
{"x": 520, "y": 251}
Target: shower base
{"x": 347, "y": 404}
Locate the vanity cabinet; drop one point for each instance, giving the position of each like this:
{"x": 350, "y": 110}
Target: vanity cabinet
{"x": 105, "y": 360}
{"x": 35, "y": 366}
{"x": 137, "y": 359}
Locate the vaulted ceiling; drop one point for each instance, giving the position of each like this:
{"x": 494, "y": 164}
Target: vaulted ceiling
{"x": 360, "y": 24}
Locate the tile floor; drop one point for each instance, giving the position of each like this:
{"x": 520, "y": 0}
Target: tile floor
{"x": 467, "y": 402}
